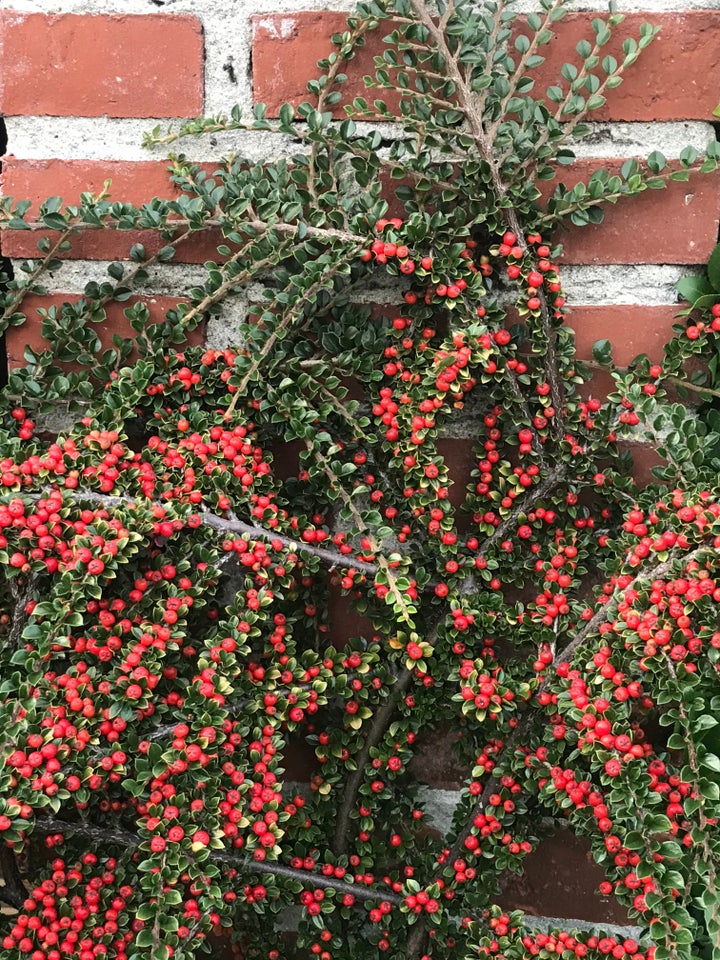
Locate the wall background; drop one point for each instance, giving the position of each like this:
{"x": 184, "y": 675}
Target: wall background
{"x": 81, "y": 80}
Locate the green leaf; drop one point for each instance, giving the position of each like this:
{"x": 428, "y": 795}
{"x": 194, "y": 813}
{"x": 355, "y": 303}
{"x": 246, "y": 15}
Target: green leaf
{"x": 656, "y": 162}
{"x": 656, "y": 823}
{"x": 602, "y": 352}
{"x": 629, "y": 169}
{"x": 596, "y": 101}
{"x": 144, "y": 937}
{"x": 711, "y": 761}
{"x": 286, "y": 114}
{"x": 692, "y": 288}
{"x": 713, "y": 268}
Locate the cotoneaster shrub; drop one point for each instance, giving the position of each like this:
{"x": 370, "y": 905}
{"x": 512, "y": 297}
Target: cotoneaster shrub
{"x": 167, "y": 638}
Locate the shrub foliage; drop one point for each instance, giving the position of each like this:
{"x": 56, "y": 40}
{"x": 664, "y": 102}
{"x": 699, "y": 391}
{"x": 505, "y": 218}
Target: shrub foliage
{"x": 179, "y": 525}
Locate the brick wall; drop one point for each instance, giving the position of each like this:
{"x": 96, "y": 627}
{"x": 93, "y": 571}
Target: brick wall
{"x": 81, "y": 80}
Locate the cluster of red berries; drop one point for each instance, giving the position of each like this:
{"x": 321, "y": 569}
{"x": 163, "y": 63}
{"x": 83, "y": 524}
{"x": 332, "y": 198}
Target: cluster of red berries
{"x": 75, "y": 912}
{"x": 696, "y": 329}
{"x": 580, "y": 946}
{"x": 541, "y": 279}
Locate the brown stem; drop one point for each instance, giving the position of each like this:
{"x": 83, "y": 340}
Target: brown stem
{"x": 219, "y": 126}
{"x": 13, "y": 891}
{"x": 383, "y": 565}
{"x": 551, "y": 220}
{"x": 520, "y": 69}
{"x": 21, "y": 594}
{"x": 378, "y": 728}
{"x": 332, "y": 558}
{"x": 608, "y": 609}
{"x": 523, "y": 505}
{"x": 317, "y": 233}
{"x": 178, "y": 223}
{"x": 416, "y": 940}
{"x": 484, "y": 140}
{"x": 129, "y": 278}
{"x": 678, "y": 381}
{"x": 362, "y": 27}
{"x": 227, "y": 285}
{"x": 696, "y": 388}
{"x": 285, "y": 323}
{"x": 128, "y": 839}
{"x": 491, "y": 48}
{"x": 20, "y": 294}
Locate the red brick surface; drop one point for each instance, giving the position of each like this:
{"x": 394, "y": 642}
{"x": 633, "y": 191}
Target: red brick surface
{"x": 676, "y": 78}
{"x": 676, "y": 225}
{"x": 135, "y": 183}
{"x": 631, "y": 329}
{"x": 29, "y": 334}
{"x": 92, "y": 65}
{"x": 131, "y": 182}
{"x": 560, "y": 879}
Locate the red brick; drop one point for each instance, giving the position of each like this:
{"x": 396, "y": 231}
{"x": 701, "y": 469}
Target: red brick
{"x": 29, "y": 334}
{"x": 36, "y": 180}
{"x": 645, "y": 458}
{"x": 600, "y": 384}
{"x": 286, "y": 49}
{"x": 135, "y": 183}
{"x": 676, "y": 78}
{"x": 434, "y": 762}
{"x": 676, "y": 225}
{"x": 115, "y": 245}
{"x": 459, "y": 460}
{"x": 631, "y": 329}
{"x": 560, "y": 879}
{"x": 148, "y": 65}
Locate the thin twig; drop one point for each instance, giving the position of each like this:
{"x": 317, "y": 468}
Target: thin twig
{"x": 126, "y": 838}
{"x": 333, "y": 559}
{"x": 380, "y": 723}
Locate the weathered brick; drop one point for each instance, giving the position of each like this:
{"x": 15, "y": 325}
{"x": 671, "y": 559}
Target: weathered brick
{"x": 286, "y": 48}
{"x": 132, "y": 182}
{"x": 30, "y": 333}
{"x": 631, "y": 329}
{"x": 36, "y": 180}
{"x": 676, "y": 225}
{"x": 148, "y": 65}
{"x": 560, "y": 879}
{"x": 676, "y": 78}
